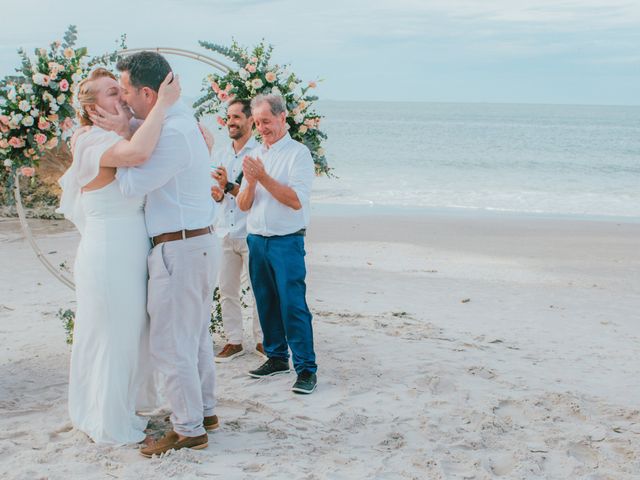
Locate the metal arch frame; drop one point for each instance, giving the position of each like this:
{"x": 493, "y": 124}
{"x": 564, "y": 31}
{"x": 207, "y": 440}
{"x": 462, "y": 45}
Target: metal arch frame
{"x": 16, "y": 191}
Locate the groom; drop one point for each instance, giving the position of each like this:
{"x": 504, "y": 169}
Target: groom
{"x": 179, "y": 213}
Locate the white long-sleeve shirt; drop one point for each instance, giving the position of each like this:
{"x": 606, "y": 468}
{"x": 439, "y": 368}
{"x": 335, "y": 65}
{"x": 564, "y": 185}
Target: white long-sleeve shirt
{"x": 175, "y": 179}
{"x": 231, "y": 220}
{"x": 290, "y": 163}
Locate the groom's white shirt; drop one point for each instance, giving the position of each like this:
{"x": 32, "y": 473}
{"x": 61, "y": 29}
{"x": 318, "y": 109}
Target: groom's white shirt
{"x": 175, "y": 179}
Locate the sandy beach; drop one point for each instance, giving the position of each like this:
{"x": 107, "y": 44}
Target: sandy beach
{"x": 450, "y": 346}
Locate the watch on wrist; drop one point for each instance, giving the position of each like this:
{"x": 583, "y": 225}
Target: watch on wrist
{"x": 229, "y": 187}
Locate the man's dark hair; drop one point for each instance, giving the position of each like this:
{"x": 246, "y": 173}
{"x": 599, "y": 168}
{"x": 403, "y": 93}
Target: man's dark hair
{"x": 146, "y": 69}
{"x": 246, "y": 106}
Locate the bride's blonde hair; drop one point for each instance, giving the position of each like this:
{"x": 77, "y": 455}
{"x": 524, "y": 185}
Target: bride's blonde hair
{"x": 88, "y": 95}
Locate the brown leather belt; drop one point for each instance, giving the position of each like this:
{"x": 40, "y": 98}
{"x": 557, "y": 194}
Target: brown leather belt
{"x": 180, "y": 235}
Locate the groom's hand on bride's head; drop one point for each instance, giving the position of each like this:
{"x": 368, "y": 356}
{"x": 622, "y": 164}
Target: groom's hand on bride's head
{"x": 118, "y": 122}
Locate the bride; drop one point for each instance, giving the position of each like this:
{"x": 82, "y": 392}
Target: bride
{"x": 109, "y": 377}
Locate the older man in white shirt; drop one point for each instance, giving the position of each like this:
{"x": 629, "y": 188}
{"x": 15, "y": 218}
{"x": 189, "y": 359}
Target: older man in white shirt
{"x": 231, "y": 227}
{"x": 276, "y": 190}
{"x": 179, "y": 212}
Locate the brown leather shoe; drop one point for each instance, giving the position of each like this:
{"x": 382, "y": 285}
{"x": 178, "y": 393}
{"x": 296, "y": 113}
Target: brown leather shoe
{"x": 260, "y": 350}
{"x": 211, "y": 423}
{"x": 228, "y": 353}
{"x": 171, "y": 441}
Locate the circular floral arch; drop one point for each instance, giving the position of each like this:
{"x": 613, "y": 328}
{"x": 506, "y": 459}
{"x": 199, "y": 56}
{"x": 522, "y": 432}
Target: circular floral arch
{"x": 37, "y": 106}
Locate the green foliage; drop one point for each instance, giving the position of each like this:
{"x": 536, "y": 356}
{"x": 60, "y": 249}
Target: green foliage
{"x": 67, "y": 317}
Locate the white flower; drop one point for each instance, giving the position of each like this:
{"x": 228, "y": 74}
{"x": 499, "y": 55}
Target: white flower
{"x": 48, "y": 97}
{"x": 256, "y": 83}
{"x": 76, "y": 77}
{"x": 276, "y": 91}
{"x": 38, "y": 79}
{"x": 243, "y": 74}
{"x": 12, "y": 94}
{"x": 299, "y": 118}
{"x": 34, "y": 112}
{"x": 24, "y": 106}
{"x": 247, "y": 84}
{"x": 292, "y": 86}
{"x": 61, "y": 98}
{"x": 54, "y": 107}
{"x": 17, "y": 117}
{"x": 84, "y": 62}
{"x": 7, "y": 162}
{"x": 320, "y": 152}
{"x": 27, "y": 88}
{"x": 27, "y": 121}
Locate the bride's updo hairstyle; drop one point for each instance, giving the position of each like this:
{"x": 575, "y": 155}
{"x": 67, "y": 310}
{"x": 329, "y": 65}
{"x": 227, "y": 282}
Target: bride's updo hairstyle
{"x": 88, "y": 95}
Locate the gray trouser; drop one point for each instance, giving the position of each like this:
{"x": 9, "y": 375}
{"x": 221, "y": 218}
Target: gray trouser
{"x": 181, "y": 283}
{"x": 234, "y": 264}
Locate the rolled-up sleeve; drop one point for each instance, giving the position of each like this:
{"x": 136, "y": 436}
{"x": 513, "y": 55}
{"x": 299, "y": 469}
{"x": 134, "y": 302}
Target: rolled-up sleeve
{"x": 171, "y": 155}
{"x": 301, "y": 173}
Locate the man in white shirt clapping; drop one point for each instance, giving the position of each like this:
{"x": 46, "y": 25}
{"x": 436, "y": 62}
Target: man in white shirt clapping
{"x": 232, "y": 228}
{"x": 275, "y": 190}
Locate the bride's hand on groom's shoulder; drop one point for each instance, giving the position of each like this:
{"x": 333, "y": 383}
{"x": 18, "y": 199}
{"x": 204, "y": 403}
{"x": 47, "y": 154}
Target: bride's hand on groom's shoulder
{"x": 169, "y": 91}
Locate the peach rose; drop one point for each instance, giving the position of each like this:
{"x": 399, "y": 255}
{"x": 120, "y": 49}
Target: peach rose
{"x": 251, "y": 68}
{"x": 16, "y": 142}
{"x": 27, "y": 171}
{"x": 313, "y": 84}
{"x": 40, "y": 138}
{"x": 4, "y": 119}
{"x": 67, "y": 124}
{"x": 69, "y": 53}
{"x": 270, "y": 77}
{"x": 53, "y": 117}
{"x": 64, "y": 85}
{"x": 4, "y": 143}
{"x": 303, "y": 129}
{"x": 52, "y": 143}
{"x": 43, "y": 124}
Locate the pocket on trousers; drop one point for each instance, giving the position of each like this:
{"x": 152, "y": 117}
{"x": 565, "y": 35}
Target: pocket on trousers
{"x": 158, "y": 265}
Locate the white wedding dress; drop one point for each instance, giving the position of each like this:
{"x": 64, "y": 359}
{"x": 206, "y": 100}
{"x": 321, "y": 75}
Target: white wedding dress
{"x": 110, "y": 376}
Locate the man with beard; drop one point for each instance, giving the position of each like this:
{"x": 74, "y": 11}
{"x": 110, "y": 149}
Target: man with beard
{"x": 232, "y": 229}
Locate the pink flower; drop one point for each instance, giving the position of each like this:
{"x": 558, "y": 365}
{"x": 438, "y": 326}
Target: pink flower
{"x": 221, "y": 121}
{"x": 40, "y": 138}
{"x": 4, "y": 143}
{"x": 250, "y": 68}
{"x": 64, "y": 85}
{"x": 270, "y": 77}
{"x": 16, "y": 142}
{"x": 313, "y": 84}
{"x": 223, "y": 95}
{"x": 67, "y": 124}
{"x": 4, "y": 119}
{"x": 43, "y": 124}
{"x": 228, "y": 87}
{"x": 254, "y": 59}
{"x": 27, "y": 171}
{"x": 215, "y": 87}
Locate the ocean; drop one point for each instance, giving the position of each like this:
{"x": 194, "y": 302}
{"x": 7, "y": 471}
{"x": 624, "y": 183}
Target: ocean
{"x": 547, "y": 159}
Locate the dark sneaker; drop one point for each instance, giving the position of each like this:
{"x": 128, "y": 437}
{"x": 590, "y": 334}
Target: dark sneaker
{"x": 306, "y": 382}
{"x": 229, "y": 352}
{"x": 271, "y": 367}
{"x": 171, "y": 441}
{"x": 211, "y": 423}
{"x": 260, "y": 351}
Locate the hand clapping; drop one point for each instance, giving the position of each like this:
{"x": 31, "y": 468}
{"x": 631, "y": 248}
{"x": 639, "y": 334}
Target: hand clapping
{"x": 253, "y": 169}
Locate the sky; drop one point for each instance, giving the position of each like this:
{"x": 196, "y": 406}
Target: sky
{"x": 512, "y": 51}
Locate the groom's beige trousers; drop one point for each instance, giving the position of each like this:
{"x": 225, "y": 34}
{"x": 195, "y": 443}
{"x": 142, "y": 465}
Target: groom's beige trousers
{"x": 181, "y": 283}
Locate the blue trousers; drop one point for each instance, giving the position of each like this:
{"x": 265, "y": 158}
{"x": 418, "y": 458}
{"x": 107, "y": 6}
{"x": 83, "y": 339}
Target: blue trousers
{"x": 277, "y": 270}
